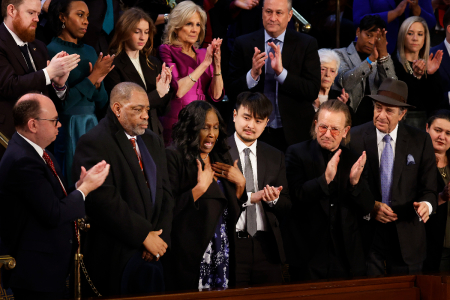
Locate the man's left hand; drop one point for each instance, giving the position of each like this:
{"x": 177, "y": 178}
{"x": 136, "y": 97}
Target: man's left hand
{"x": 422, "y": 209}
{"x": 275, "y": 59}
{"x": 271, "y": 193}
{"x": 358, "y": 167}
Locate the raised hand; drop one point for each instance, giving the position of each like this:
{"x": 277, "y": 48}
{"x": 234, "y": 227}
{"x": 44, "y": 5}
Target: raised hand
{"x": 246, "y": 4}
{"x": 422, "y": 210}
{"x": 163, "y": 80}
{"x": 258, "y": 61}
{"x": 217, "y": 55}
{"x": 209, "y": 55}
{"x": 232, "y": 174}
{"x": 434, "y": 62}
{"x": 358, "y": 167}
{"x": 343, "y": 97}
{"x": 400, "y": 9}
{"x": 381, "y": 43}
{"x": 59, "y": 67}
{"x": 102, "y": 67}
{"x": 414, "y": 7}
{"x": 383, "y": 213}
{"x": 271, "y": 193}
{"x": 332, "y": 165}
{"x": 92, "y": 179}
{"x": 275, "y": 58}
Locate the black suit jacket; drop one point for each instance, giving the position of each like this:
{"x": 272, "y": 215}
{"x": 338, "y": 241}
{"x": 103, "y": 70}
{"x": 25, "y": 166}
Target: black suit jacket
{"x": 124, "y": 70}
{"x": 14, "y": 79}
{"x": 309, "y": 220}
{"x": 444, "y": 71}
{"x": 299, "y": 90}
{"x": 271, "y": 171}
{"x": 121, "y": 210}
{"x": 411, "y": 183}
{"x": 194, "y": 223}
{"x": 36, "y": 219}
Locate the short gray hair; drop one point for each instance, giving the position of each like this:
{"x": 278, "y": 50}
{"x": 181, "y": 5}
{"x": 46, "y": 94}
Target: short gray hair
{"x": 289, "y": 3}
{"x": 328, "y": 56}
{"x": 122, "y": 92}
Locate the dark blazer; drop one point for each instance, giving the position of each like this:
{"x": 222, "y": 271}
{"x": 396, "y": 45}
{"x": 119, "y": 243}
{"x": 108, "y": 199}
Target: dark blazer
{"x": 124, "y": 70}
{"x": 309, "y": 220}
{"x": 121, "y": 211}
{"x": 411, "y": 183}
{"x": 444, "y": 71}
{"x": 36, "y": 219}
{"x": 299, "y": 90}
{"x": 14, "y": 79}
{"x": 271, "y": 171}
{"x": 194, "y": 223}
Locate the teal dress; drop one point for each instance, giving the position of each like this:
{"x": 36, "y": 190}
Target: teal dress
{"x": 77, "y": 113}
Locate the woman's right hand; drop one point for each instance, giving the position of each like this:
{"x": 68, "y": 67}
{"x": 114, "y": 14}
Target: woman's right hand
{"x": 209, "y": 55}
{"x": 204, "y": 180}
{"x": 102, "y": 67}
{"x": 163, "y": 80}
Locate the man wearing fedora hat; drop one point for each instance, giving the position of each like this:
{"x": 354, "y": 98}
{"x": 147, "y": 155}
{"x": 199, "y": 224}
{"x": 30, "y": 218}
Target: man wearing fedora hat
{"x": 401, "y": 170}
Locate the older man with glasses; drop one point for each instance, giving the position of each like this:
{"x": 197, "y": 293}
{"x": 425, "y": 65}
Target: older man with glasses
{"x": 328, "y": 197}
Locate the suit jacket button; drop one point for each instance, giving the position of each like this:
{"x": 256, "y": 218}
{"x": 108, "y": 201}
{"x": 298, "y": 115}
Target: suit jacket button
{"x": 363, "y": 73}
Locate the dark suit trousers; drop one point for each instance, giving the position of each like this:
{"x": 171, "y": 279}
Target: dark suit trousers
{"x": 385, "y": 255}
{"x": 257, "y": 260}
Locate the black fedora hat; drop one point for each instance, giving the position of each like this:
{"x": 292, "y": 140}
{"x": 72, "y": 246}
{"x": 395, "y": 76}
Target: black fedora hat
{"x": 392, "y": 92}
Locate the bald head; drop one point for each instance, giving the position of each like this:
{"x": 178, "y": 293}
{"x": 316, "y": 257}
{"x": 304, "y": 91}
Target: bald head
{"x": 123, "y": 92}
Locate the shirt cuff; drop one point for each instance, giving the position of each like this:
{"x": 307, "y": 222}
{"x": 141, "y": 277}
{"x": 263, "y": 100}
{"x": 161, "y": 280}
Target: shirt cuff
{"x": 430, "y": 207}
{"x": 272, "y": 203}
{"x": 47, "y": 77}
{"x": 61, "y": 94}
{"x": 367, "y": 217}
{"x": 82, "y": 194}
{"x": 251, "y": 83}
{"x": 282, "y": 77}
{"x": 249, "y": 201}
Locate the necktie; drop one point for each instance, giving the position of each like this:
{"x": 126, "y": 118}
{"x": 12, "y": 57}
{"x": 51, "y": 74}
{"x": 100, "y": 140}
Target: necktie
{"x": 133, "y": 143}
{"x": 108, "y": 21}
{"x": 386, "y": 168}
{"x": 250, "y": 185}
{"x": 270, "y": 87}
{"x": 50, "y": 164}
{"x": 26, "y": 55}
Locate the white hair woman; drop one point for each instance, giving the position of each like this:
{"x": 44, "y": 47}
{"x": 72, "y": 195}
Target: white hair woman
{"x": 329, "y": 66}
{"x": 196, "y": 73}
{"x": 417, "y": 67}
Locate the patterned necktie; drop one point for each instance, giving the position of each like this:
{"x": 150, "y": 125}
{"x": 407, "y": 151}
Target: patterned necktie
{"x": 133, "y": 143}
{"x": 386, "y": 168}
{"x": 250, "y": 186}
{"x": 26, "y": 55}
{"x": 270, "y": 86}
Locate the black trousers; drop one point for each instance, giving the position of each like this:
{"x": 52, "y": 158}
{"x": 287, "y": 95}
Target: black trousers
{"x": 257, "y": 260}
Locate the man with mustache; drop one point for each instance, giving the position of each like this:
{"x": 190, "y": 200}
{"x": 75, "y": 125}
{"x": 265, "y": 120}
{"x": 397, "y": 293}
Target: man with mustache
{"x": 329, "y": 197}
{"x": 131, "y": 213}
{"x": 24, "y": 62}
{"x": 259, "y": 245}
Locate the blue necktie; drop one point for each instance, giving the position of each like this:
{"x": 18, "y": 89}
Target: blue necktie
{"x": 386, "y": 168}
{"x": 270, "y": 88}
{"x": 108, "y": 21}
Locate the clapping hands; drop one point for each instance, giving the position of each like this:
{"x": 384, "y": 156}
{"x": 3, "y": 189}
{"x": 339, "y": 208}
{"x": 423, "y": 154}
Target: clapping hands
{"x": 163, "y": 80}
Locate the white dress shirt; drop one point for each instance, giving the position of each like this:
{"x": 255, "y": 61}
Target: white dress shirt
{"x": 40, "y": 151}
{"x": 137, "y": 146}
{"x": 261, "y": 222}
{"x": 20, "y": 43}
{"x": 381, "y": 144}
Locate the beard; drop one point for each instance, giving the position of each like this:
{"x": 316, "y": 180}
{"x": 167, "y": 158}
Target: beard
{"x": 25, "y": 33}
{"x": 134, "y": 130}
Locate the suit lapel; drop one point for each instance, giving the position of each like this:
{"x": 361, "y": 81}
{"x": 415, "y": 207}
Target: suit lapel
{"x": 289, "y": 47}
{"x": 370, "y": 145}
{"x": 9, "y": 40}
{"x": 130, "y": 70}
{"x": 445, "y": 59}
{"x": 261, "y": 166}
{"x": 234, "y": 152}
{"x": 401, "y": 149}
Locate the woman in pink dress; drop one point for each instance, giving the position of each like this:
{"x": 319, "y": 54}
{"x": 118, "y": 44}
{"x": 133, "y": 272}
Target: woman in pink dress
{"x": 196, "y": 73}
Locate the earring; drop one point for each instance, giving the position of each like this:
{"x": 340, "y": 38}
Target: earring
{"x": 63, "y": 26}
{"x": 118, "y": 115}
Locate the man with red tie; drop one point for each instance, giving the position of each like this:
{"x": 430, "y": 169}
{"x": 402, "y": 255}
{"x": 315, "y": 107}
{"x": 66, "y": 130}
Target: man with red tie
{"x": 37, "y": 209}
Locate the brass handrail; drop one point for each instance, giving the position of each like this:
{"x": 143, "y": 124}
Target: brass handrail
{"x": 299, "y": 19}
{"x": 4, "y": 141}
{"x": 7, "y": 262}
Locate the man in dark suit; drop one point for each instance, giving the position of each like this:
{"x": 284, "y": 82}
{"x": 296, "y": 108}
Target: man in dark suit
{"x": 444, "y": 69}
{"x": 402, "y": 178}
{"x": 259, "y": 245}
{"x": 131, "y": 213}
{"x": 329, "y": 197}
{"x": 24, "y": 63}
{"x": 37, "y": 209}
{"x": 285, "y": 66}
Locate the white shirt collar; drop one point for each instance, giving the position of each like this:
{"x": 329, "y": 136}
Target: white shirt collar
{"x": 130, "y": 136}
{"x": 280, "y": 37}
{"x": 241, "y": 146}
{"x": 447, "y": 45}
{"x": 393, "y": 134}
{"x": 38, "y": 148}
{"x": 17, "y": 39}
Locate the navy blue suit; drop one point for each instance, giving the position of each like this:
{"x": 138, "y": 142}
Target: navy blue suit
{"x": 444, "y": 70}
{"x": 36, "y": 219}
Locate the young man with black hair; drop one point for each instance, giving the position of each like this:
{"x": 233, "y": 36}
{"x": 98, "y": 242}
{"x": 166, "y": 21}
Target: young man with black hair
{"x": 259, "y": 246}
{"x": 364, "y": 65}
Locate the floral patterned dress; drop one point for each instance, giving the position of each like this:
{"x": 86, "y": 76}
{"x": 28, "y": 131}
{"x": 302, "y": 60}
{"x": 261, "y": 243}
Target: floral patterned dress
{"x": 215, "y": 265}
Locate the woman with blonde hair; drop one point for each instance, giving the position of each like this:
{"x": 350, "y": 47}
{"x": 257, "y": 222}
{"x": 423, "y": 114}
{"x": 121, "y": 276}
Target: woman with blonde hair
{"x": 196, "y": 71}
{"x": 417, "y": 67}
{"x": 132, "y": 44}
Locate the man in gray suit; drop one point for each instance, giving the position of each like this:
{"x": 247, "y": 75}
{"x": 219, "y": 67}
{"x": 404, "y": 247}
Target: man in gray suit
{"x": 364, "y": 65}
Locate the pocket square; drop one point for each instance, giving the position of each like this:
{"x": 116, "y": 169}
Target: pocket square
{"x": 410, "y": 160}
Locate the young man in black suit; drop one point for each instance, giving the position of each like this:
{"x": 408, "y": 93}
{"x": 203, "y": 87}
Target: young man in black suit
{"x": 402, "y": 177}
{"x": 131, "y": 213}
{"x": 259, "y": 246}
{"x": 37, "y": 208}
{"x": 284, "y": 65}
{"x": 328, "y": 198}
{"x": 24, "y": 62}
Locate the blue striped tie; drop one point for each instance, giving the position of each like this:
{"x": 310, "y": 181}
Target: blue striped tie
{"x": 386, "y": 168}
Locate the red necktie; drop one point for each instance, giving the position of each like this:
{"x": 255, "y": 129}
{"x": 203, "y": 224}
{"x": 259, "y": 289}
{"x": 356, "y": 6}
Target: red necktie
{"x": 49, "y": 162}
{"x": 133, "y": 143}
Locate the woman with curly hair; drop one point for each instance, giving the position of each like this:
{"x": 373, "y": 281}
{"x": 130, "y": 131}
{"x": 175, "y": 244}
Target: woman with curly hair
{"x": 207, "y": 203}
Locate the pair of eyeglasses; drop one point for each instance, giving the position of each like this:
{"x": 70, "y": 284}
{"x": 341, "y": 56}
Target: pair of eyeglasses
{"x": 333, "y": 130}
{"x": 53, "y": 120}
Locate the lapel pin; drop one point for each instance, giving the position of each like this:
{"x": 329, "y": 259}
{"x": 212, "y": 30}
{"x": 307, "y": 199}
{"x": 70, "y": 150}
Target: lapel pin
{"x": 34, "y": 49}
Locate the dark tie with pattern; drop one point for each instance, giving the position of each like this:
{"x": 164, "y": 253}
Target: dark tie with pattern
{"x": 133, "y": 143}
{"x": 26, "y": 55}
{"x": 250, "y": 186}
{"x": 386, "y": 168}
